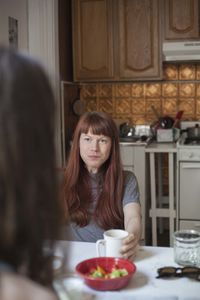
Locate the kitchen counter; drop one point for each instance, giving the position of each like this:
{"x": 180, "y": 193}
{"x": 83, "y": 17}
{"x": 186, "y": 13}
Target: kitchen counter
{"x": 137, "y": 141}
{"x": 143, "y": 286}
{"x": 161, "y": 147}
{"x": 133, "y": 143}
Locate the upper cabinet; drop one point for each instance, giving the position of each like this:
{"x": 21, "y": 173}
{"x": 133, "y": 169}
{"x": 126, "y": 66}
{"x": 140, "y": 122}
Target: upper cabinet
{"x": 93, "y": 39}
{"x": 180, "y": 19}
{"x": 116, "y": 40}
{"x": 138, "y": 39}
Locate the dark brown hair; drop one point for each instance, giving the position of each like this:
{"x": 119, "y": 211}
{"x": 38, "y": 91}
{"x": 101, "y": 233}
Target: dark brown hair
{"x": 29, "y": 210}
{"x": 109, "y": 213}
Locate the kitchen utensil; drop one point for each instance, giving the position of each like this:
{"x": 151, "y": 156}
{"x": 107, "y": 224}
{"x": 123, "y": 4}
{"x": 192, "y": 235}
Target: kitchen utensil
{"x": 155, "y": 112}
{"x": 178, "y": 118}
{"x": 78, "y": 105}
{"x": 126, "y": 130}
{"x": 193, "y": 132}
{"x": 107, "y": 263}
{"x": 164, "y": 122}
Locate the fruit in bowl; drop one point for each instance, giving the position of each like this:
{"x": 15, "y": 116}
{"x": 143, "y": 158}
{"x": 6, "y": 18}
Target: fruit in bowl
{"x": 106, "y": 273}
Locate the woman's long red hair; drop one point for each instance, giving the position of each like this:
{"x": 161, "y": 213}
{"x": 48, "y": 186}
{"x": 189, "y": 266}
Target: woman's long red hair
{"x": 109, "y": 211}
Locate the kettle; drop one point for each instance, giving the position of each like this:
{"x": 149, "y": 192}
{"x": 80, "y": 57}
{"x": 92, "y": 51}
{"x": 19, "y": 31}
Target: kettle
{"x": 126, "y": 130}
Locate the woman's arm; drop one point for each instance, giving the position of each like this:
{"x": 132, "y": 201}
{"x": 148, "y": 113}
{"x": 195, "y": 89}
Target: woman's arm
{"x": 132, "y": 224}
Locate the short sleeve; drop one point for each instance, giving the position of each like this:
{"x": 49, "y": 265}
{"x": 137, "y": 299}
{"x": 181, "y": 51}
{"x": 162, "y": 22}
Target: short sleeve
{"x": 131, "y": 188}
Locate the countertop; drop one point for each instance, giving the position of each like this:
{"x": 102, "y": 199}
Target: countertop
{"x": 161, "y": 147}
{"x": 143, "y": 286}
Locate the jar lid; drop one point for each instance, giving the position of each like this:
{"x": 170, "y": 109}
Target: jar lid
{"x": 188, "y": 235}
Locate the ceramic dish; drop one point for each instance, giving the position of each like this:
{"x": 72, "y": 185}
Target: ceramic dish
{"x": 107, "y": 263}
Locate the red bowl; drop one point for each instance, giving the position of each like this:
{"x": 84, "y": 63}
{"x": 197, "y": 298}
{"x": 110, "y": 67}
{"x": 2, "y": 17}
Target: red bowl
{"x": 107, "y": 263}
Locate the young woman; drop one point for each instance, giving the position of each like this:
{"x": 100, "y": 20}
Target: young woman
{"x": 99, "y": 195}
{"x": 29, "y": 211}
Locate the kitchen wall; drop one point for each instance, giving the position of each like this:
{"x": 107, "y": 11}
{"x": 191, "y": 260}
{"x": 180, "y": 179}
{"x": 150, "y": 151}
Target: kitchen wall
{"x": 17, "y": 10}
{"x": 179, "y": 90}
{"x": 37, "y": 34}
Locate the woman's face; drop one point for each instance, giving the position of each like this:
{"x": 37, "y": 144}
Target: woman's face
{"x": 94, "y": 150}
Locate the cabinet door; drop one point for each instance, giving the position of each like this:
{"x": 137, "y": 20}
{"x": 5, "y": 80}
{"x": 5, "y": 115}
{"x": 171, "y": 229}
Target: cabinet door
{"x": 181, "y": 19}
{"x": 127, "y": 156}
{"x": 195, "y": 225}
{"x": 189, "y": 204}
{"x": 92, "y": 39}
{"x": 139, "y": 39}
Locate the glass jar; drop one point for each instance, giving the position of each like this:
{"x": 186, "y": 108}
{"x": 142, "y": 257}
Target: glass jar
{"x": 187, "y": 247}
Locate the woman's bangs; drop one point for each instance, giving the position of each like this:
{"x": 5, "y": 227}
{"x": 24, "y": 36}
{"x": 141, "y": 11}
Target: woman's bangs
{"x": 96, "y": 129}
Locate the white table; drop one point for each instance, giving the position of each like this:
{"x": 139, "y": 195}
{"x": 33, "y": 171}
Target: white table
{"x": 144, "y": 285}
{"x": 157, "y": 211}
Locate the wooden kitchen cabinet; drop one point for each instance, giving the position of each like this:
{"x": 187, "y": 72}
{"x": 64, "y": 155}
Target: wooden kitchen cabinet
{"x": 180, "y": 19}
{"x": 139, "y": 39}
{"x": 92, "y": 39}
{"x": 116, "y": 40}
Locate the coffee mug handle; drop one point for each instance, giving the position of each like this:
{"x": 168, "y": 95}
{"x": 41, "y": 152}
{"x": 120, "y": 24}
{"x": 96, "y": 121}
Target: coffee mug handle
{"x": 99, "y": 245}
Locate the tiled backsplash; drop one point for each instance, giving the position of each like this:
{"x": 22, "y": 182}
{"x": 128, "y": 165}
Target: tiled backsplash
{"x": 180, "y": 90}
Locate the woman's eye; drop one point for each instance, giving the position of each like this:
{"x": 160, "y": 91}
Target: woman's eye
{"x": 87, "y": 139}
{"x": 103, "y": 141}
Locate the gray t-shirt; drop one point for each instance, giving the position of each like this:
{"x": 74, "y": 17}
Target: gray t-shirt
{"x": 92, "y": 232}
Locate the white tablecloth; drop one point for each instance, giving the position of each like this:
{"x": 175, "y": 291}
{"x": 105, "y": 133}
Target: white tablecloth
{"x": 143, "y": 286}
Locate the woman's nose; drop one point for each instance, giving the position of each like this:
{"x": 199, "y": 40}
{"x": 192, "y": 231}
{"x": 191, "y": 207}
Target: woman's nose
{"x": 95, "y": 145}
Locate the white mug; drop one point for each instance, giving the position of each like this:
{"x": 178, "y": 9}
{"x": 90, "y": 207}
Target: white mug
{"x": 112, "y": 243}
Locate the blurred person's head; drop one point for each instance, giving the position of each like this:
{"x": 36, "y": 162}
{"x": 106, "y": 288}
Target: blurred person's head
{"x": 28, "y": 185}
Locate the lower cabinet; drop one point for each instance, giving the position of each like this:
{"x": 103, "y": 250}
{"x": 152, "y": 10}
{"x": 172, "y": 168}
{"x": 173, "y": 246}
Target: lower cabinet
{"x": 195, "y": 225}
{"x": 133, "y": 159}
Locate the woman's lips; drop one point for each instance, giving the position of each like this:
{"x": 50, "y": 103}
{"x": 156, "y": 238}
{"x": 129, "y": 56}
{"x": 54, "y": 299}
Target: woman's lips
{"x": 94, "y": 157}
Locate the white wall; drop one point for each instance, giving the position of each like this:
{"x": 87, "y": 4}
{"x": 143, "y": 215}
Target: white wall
{"x": 18, "y": 10}
{"x": 43, "y": 44}
{"x": 37, "y": 34}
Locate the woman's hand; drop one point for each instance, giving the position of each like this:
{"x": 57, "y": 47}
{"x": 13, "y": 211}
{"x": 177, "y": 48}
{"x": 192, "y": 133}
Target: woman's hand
{"x": 132, "y": 224}
{"x": 129, "y": 247}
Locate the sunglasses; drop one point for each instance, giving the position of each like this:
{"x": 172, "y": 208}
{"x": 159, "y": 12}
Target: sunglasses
{"x": 189, "y": 271}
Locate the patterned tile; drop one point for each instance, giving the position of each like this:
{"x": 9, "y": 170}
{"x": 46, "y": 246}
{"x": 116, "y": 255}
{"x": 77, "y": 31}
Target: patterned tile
{"x": 89, "y": 91}
{"x": 138, "y": 106}
{"x": 198, "y": 106}
{"x": 106, "y": 105}
{"x": 170, "y": 89}
{"x": 138, "y": 119}
{"x": 104, "y": 90}
{"x": 137, "y": 90}
{"x": 187, "y": 72}
{"x": 170, "y": 106}
{"x": 122, "y": 106}
{"x": 187, "y": 90}
{"x": 133, "y": 101}
{"x": 152, "y": 90}
{"x": 188, "y": 105}
{"x": 123, "y": 90}
{"x": 198, "y": 89}
{"x": 150, "y": 119}
{"x": 123, "y": 118}
{"x": 91, "y": 105}
{"x": 198, "y": 71}
{"x": 170, "y": 72}
{"x": 153, "y": 102}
